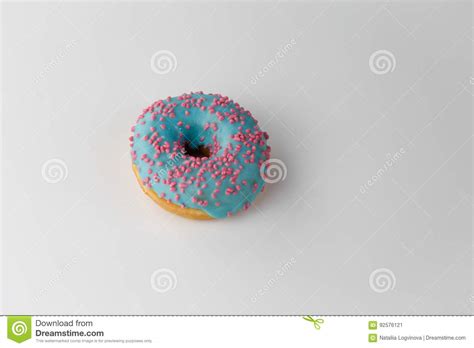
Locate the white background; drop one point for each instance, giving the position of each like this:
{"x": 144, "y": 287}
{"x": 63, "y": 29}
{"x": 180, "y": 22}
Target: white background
{"x": 76, "y": 75}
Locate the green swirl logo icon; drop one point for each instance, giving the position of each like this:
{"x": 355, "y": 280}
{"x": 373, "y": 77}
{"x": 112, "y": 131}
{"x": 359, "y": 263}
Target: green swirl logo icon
{"x": 19, "y": 328}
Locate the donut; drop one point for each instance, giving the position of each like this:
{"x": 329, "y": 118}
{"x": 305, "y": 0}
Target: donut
{"x": 199, "y": 155}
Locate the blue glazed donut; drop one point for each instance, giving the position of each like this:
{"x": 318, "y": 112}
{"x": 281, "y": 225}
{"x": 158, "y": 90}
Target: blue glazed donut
{"x": 199, "y": 155}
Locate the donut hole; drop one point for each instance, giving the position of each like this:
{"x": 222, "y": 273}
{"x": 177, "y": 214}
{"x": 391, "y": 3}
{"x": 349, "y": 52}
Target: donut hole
{"x": 199, "y": 151}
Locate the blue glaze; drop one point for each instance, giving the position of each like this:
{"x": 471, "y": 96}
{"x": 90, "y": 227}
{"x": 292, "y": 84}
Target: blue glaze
{"x": 196, "y": 135}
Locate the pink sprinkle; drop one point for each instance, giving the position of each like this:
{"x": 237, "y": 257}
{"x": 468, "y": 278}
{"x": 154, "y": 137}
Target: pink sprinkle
{"x": 163, "y": 126}
{"x": 255, "y": 187}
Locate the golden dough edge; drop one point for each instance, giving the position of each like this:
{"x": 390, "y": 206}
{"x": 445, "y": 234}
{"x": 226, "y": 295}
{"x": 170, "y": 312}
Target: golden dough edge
{"x": 190, "y": 213}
